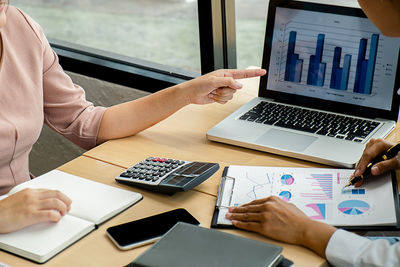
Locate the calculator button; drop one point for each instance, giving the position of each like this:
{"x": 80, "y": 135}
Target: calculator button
{"x": 181, "y": 162}
{"x": 155, "y": 179}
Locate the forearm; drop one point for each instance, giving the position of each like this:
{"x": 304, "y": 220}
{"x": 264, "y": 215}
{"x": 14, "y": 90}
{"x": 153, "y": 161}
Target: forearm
{"x": 132, "y": 117}
{"x": 316, "y": 236}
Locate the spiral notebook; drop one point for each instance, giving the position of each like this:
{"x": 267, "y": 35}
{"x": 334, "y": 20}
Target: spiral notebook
{"x": 318, "y": 192}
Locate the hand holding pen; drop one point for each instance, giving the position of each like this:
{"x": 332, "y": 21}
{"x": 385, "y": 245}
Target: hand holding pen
{"x": 379, "y": 156}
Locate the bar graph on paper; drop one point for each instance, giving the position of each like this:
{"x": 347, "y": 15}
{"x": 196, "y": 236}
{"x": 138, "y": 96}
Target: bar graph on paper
{"x": 328, "y": 58}
{"x": 321, "y": 186}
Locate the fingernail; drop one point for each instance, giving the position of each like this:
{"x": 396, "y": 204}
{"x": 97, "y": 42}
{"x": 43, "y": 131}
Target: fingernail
{"x": 375, "y": 170}
{"x": 228, "y": 215}
{"x": 357, "y": 172}
{"x": 238, "y": 85}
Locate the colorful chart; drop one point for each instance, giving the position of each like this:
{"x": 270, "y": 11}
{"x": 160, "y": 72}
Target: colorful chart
{"x": 321, "y": 187}
{"x": 353, "y": 207}
{"x": 360, "y": 191}
{"x": 287, "y": 179}
{"x": 320, "y": 209}
{"x": 285, "y": 195}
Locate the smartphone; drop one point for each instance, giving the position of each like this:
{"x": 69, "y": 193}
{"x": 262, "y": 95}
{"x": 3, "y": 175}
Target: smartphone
{"x": 147, "y": 230}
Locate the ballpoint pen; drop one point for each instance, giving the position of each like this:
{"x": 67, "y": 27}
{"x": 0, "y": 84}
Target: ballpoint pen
{"x": 390, "y": 153}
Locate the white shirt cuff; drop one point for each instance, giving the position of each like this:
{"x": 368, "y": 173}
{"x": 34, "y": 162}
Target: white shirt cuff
{"x": 344, "y": 247}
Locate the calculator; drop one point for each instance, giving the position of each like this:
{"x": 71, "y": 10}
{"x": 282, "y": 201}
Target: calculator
{"x": 167, "y": 175}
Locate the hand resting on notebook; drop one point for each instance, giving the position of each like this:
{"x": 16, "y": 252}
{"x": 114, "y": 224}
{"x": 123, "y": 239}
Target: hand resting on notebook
{"x": 30, "y": 206}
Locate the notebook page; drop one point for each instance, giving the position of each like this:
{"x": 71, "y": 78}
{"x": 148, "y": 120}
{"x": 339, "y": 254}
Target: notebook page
{"x": 41, "y": 241}
{"x": 91, "y": 200}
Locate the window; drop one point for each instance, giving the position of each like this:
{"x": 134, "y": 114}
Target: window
{"x": 164, "y": 32}
{"x": 250, "y": 29}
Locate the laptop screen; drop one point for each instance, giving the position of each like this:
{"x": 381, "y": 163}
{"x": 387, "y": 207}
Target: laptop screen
{"x": 337, "y": 57}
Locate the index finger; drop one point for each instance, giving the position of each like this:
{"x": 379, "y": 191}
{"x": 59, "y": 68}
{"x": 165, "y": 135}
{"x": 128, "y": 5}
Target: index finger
{"x": 370, "y": 152}
{"x": 246, "y": 209}
{"x": 58, "y": 195}
{"x": 241, "y": 74}
{"x": 262, "y": 201}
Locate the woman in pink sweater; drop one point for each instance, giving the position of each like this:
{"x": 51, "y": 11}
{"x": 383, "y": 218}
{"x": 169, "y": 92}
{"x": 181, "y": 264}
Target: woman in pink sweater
{"x": 34, "y": 89}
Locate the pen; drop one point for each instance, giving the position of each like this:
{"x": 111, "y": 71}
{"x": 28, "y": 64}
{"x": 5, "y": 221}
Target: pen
{"x": 390, "y": 153}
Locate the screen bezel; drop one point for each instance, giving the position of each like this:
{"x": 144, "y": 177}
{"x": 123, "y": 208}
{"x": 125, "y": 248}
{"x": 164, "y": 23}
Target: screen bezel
{"x": 123, "y": 236}
{"x": 318, "y": 103}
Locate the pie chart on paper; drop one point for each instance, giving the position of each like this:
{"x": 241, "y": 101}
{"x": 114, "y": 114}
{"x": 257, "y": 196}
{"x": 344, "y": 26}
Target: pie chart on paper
{"x": 285, "y": 195}
{"x": 287, "y": 179}
{"x": 353, "y": 207}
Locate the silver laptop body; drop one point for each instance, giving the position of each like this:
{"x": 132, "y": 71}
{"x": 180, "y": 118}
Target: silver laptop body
{"x": 324, "y": 63}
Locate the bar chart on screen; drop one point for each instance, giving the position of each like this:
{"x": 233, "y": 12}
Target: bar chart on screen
{"x": 330, "y": 58}
{"x": 334, "y": 57}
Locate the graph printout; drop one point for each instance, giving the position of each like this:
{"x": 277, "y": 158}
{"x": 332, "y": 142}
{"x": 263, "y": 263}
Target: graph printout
{"x": 317, "y": 192}
{"x": 333, "y": 57}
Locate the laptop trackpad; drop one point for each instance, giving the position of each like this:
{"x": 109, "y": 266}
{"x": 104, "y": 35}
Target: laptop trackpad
{"x": 286, "y": 140}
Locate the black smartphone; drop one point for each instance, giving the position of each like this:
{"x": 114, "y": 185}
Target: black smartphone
{"x": 147, "y": 230}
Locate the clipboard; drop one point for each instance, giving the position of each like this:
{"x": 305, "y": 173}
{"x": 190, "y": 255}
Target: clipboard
{"x": 226, "y": 187}
{"x": 221, "y": 190}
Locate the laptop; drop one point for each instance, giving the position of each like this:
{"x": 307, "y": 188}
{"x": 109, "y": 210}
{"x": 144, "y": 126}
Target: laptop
{"x": 332, "y": 85}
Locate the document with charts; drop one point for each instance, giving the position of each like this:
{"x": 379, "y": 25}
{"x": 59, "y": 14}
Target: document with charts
{"x": 318, "y": 192}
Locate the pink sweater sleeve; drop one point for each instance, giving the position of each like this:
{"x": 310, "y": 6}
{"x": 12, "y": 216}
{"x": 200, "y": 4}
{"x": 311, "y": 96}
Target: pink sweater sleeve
{"x": 66, "y": 109}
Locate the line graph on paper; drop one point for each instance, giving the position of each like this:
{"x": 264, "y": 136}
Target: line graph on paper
{"x": 258, "y": 189}
{"x": 252, "y": 184}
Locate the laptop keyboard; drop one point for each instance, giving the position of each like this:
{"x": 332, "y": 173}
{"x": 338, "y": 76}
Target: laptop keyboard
{"x": 311, "y": 121}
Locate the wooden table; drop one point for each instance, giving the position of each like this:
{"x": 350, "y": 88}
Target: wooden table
{"x": 182, "y": 136}
{"x": 97, "y": 250}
